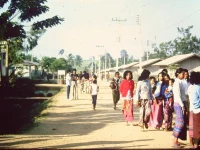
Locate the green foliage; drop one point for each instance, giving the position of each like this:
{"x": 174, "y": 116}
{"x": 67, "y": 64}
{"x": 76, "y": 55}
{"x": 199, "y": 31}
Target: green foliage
{"x": 46, "y": 62}
{"x": 60, "y": 64}
{"x": 184, "y": 44}
{"x": 78, "y": 60}
{"x": 26, "y": 12}
{"x": 124, "y": 57}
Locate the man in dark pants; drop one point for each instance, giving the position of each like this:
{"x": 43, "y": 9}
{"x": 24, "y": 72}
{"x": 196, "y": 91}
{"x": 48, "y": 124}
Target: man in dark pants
{"x": 115, "y": 83}
{"x": 74, "y": 77}
{"x": 68, "y": 82}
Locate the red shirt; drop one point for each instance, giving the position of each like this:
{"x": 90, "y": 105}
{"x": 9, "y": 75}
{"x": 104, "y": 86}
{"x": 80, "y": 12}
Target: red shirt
{"x": 125, "y": 86}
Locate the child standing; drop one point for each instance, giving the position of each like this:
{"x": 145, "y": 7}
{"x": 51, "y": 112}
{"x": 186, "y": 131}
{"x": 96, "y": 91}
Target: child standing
{"x": 153, "y": 84}
{"x": 169, "y": 105}
{"x": 94, "y": 90}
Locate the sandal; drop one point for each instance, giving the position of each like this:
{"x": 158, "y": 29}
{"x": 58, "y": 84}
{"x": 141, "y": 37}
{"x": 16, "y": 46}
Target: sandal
{"x": 146, "y": 125}
{"x": 176, "y": 146}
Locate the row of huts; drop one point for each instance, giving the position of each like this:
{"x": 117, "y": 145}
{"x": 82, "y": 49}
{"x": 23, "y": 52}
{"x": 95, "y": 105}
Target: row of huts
{"x": 155, "y": 66}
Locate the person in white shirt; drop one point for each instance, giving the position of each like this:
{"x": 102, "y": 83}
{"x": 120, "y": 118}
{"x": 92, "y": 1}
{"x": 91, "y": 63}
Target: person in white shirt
{"x": 94, "y": 90}
{"x": 68, "y": 82}
{"x": 186, "y": 84}
{"x": 180, "y": 128}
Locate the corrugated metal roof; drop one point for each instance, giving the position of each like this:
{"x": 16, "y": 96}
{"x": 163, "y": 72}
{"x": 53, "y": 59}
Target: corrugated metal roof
{"x": 175, "y": 59}
{"x": 127, "y": 65}
{"x": 28, "y": 63}
{"x": 196, "y": 69}
{"x": 148, "y": 62}
{"x": 155, "y": 73}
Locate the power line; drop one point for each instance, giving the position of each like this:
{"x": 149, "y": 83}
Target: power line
{"x": 185, "y": 18}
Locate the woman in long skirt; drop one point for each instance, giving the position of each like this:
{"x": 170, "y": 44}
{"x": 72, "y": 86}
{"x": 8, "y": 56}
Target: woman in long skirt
{"x": 190, "y": 90}
{"x": 126, "y": 90}
{"x": 144, "y": 98}
{"x": 167, "y": 93}
{"x": 195, "y": 102}
{"x": 156, "y": 116}
{"x": 180, "y": 129}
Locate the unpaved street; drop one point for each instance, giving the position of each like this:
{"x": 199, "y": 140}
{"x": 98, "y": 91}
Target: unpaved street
{"x": 73, "y": 124}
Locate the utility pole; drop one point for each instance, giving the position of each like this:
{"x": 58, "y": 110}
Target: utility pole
{"x": 140, "y": 37}
{"x": 92, "y": 63}
{"x": 95, "y": 65}
{"x": 119, "y": 38}
{"x": 147, "y": 49}
{"x": 109, "y": 63}
{"x": 105, "y": 63}
{"x": 99, "y": 46}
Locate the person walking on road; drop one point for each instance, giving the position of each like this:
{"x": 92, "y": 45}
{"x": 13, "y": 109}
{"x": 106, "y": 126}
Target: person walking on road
{"x": 74, "y": 77}
{"x": 115, "y": 84}
{"x": 94, "y": 90}
{"x": 180, "y": 128}
{"x": 68, "y": 82}
{"x": 144, "y": 98}
{"x": 126, "y": 90}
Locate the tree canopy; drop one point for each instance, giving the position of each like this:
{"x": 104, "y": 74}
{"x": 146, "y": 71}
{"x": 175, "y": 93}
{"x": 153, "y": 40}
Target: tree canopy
{"x": 183, "y": 44}
{"x": 25, "y": 11}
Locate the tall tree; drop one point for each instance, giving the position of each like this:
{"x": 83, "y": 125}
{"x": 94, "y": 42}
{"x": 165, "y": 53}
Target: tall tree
{"x": 70, "y": 59}
{"x": 124, "y": 57}
{"x": 78, "y": 60}
{"x": 183, "y": 44}
{"x": 19, "y": 12}
{"x": 186, "y": 43}
{"x": 46, "y": 62}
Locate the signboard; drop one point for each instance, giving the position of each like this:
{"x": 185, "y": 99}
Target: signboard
{"x": 61, "y": 72}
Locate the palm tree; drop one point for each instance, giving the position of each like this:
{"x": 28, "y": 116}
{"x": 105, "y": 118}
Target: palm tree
{"x": 78, "y": 60}
{"x": 70, "y": 59}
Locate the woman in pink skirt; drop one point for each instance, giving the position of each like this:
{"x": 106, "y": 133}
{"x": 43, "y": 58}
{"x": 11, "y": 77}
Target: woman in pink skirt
{"x": 126, "y": 90}
{"x": 156, "y": 116}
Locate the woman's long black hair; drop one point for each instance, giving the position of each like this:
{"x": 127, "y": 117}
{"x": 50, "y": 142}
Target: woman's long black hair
{"x": 144, "y": 75}
{"x": 125, "y": 74}
{"x": 178, "y": 71}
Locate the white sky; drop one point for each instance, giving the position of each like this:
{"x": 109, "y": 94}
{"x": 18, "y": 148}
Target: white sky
{"x": 89, "y": 23}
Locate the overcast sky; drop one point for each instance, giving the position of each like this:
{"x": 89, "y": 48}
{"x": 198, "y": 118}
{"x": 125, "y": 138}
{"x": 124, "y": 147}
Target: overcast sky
{"x": 88, "y": 23}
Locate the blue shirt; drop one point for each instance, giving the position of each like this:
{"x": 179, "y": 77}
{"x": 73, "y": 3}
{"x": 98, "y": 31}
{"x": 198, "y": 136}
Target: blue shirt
{"x": 195, "y": 95}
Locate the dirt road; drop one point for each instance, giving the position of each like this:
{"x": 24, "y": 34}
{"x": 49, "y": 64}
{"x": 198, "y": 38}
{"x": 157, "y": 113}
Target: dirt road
{"x": 73, "y": 124}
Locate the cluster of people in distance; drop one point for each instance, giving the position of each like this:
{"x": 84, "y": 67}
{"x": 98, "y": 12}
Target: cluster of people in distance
{"x": 88, "y": 84}
{"x": 159, "y": 99}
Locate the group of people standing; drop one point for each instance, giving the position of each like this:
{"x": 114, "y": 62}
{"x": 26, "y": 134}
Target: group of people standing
{"x": 73, "y": 79}
{"x": 158, "y": 99}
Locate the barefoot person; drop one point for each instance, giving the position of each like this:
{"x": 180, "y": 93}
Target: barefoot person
{"x": 94, "y": 90}
{"x": 180, "y": 129}
{"x": 126, "y": 90}
{"x": 193, "y": 79}
{"x": 74, "y": 77}
{"x": 156, "y": 116}
{"x": 144, "y": 98}
{"x": 68, "y": 82}
{"x": 115, "y": 83}
{"x": 195, "y": 102}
